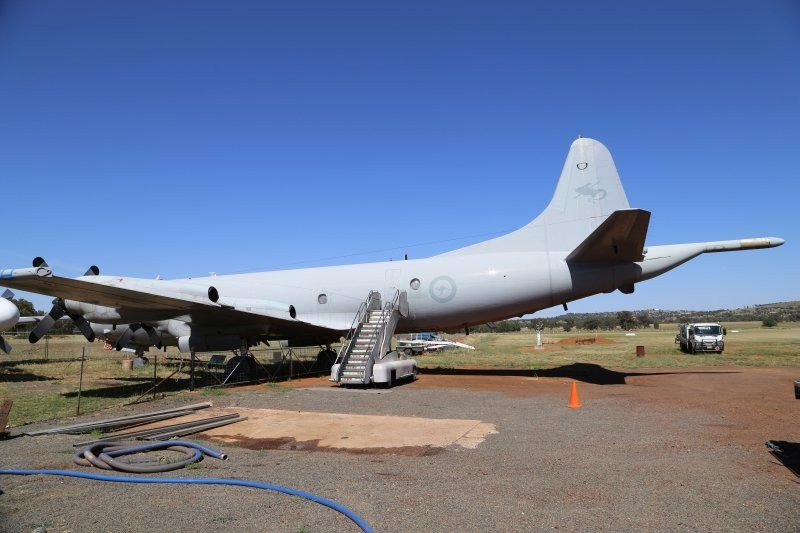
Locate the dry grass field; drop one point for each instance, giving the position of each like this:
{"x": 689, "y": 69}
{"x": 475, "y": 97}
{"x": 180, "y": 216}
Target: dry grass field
{"x": 746, "y": 344}
{"x": 42, "y": 379}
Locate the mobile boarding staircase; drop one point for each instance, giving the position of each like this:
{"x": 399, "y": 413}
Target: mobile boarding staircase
{"x": 366, "y": 356}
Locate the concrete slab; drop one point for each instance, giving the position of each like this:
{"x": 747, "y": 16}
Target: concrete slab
{"x": 353, "y": 433}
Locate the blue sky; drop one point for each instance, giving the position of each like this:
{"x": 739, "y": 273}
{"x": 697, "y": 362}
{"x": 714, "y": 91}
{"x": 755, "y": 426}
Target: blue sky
{"x": 179, "y": 138}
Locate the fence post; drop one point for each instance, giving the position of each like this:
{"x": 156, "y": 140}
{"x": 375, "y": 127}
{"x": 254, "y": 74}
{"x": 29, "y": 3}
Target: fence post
{"x": 80, "y": 381}
{"x": 155, "y": 366}
{"x": 191, "y": 370}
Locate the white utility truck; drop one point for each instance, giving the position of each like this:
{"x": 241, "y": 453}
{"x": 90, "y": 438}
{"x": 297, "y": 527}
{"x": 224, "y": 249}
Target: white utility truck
{"x": 701, "y": 337}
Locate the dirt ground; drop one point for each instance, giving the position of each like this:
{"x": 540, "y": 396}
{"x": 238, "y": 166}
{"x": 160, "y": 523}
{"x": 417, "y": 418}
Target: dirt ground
{"x": 462, "y": 449}
{"x": 756, "y": 404}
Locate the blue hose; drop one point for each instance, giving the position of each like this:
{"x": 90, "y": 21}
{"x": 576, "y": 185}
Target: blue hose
{"x": 199, "y": 481}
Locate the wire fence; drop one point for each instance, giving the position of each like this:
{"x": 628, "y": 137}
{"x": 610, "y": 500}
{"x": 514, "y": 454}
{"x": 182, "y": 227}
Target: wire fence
{"x": 108, "y": 373}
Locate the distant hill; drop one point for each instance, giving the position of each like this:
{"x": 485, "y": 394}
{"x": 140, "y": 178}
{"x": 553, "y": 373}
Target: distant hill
{"x": 781, "y": 311}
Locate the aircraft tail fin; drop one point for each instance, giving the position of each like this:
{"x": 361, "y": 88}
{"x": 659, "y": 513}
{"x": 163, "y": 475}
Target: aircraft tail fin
{"x": 619, "y": 239}
{"x": 588, "y": 192}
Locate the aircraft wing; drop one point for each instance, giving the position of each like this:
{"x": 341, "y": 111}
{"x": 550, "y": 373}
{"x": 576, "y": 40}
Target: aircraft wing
{"x": 162, "y": 300}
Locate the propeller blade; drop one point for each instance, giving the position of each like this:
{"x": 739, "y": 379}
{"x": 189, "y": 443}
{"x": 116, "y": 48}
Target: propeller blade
{"x": 4, "y": 345}
{"x": 41, "y": 328}
{"x": 47, "y": 321}
{"x": 38, "y": 261}
{"x": 92, "y": 271}
{"x": 155, "y": 336}
{"x": 7, "y": 294}
{"x": 84, "y": 326}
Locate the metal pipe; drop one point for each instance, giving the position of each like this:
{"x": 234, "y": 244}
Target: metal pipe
{"x": 153, "y": 431}
{"x": 113, "y": 421}
{"x": 193, "y": 429}
{"x": 124, "y": 423}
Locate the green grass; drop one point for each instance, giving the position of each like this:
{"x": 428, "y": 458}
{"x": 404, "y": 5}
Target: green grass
{"x": 213, "y": 391}
{"x": 46, "y": 390}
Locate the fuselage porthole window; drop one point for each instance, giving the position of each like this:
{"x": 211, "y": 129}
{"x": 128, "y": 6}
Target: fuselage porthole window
{"x": 414, "y": 284}
{"x": 322, "y": 298}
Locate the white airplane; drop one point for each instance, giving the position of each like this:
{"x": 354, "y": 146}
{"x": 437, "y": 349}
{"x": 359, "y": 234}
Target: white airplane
{"x": 587, "y": 241}
{"x": 9, "y": 316}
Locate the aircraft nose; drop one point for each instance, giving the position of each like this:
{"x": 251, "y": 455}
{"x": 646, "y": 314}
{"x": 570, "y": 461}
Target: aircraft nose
{"x": 775, "y": 241}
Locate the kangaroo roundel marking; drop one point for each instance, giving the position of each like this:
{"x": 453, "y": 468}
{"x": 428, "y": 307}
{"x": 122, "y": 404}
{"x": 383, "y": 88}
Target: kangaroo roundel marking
{"x": 582, "y": 166}
{"x": 591, "y": 191}
{"x": 442, "y": 289}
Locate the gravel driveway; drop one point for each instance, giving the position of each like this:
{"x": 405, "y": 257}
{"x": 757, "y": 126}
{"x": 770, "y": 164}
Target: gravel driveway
{"x": 656, "y": 451}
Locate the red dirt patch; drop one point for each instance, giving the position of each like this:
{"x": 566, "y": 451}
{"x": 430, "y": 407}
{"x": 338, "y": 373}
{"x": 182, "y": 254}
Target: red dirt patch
{"x": 289, "y": 443}
{"x": 754, "y": 404}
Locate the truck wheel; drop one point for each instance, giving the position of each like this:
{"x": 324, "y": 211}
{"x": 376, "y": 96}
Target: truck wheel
{"x": 691, "y": 348}
{"x": 408, "y": 351}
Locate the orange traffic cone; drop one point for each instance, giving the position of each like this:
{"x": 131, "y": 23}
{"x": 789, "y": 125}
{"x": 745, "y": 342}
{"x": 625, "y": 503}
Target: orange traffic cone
{"x": 574, "y": 401}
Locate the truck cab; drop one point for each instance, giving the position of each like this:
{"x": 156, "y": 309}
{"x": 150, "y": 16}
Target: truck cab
{"x": 701, "y": 337}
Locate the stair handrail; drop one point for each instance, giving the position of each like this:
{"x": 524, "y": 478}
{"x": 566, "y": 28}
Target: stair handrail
{"x": 384, "y": 321}
{"x": 388, "y": 309}
{"x": 357, "y": 319}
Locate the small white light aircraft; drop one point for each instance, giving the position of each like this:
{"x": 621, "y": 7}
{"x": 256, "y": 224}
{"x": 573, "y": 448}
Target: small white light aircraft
{"x": 587, "y": 241}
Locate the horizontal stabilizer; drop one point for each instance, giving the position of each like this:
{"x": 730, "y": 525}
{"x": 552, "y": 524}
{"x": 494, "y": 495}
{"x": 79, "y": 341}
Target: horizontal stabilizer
{"x": 620, "y": 238}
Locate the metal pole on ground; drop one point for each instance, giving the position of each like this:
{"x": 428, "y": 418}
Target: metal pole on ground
{"x": 80, "y": 381}
{"x": 191, "y": 370}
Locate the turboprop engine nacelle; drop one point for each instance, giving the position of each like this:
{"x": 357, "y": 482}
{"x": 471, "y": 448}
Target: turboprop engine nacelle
{"x": 94, "y": 313}
{"x": 9, "y": 315}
